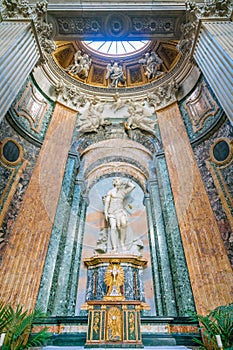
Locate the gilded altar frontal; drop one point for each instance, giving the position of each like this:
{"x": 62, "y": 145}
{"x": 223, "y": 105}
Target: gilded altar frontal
{"x": 116, "y": 162}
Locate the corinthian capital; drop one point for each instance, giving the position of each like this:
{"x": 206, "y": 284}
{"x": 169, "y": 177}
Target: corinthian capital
{"x": 210, "y": 8}
{"x": 16, "y": 9}
{"x": 21, "y": 9}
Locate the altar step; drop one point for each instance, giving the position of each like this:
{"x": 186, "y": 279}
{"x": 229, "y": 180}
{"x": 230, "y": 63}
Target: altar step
{"x": 104, "y": 348}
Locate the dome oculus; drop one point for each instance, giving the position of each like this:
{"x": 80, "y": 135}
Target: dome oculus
{"x": 116, "y": 48}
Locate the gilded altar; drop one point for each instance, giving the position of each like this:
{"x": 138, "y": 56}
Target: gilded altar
{"x": 114, "y": 313}
{"x": 114, "y": 322}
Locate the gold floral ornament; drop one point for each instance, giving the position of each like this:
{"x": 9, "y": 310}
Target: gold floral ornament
{"x": 114, "y": 280}
{"x": 131, "y": 323}
{"x": 96, "y": 322}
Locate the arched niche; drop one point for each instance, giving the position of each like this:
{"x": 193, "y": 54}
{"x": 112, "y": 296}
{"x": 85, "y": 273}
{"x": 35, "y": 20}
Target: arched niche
{"x": 116, "y": 156}
{"x": 100, "y": 164}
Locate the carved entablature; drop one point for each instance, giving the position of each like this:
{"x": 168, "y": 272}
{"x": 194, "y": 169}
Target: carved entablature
{"x": 117, "y": 26}
{"x": 195, "y": 12}
{"x": 16, "y": 9}
{"x": 69, "y": 93}
{"x": 201, "y": 106}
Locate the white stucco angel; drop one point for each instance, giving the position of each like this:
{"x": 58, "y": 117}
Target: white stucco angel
{"x": 118, "y": 102}
{"x": 139, "y": 118}
{"x": 92, "y": 118}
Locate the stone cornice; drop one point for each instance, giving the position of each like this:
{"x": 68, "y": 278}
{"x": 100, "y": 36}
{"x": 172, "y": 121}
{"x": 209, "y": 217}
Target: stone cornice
{"x": 112, "y": 6}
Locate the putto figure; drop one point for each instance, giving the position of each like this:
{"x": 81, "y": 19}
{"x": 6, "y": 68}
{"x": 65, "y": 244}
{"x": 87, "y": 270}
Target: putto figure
{"x": 151, "y": 63}
{"x": 115, "y": 74}
{"x": 115, "y": 213}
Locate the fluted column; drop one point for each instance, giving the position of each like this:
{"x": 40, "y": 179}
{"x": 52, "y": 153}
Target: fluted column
{"x": 19, "y": 52}
{"x": 23, "y": 261}
{"x": 214, "y": 55}
{"x": 209, "y": 267}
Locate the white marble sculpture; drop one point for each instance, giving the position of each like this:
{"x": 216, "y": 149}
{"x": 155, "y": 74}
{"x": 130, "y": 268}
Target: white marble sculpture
{"x": 151, "y": 62}
{"x": 115, "y": 74}
{"x": 81, "y": 66}
{"x": 116, "y": 215}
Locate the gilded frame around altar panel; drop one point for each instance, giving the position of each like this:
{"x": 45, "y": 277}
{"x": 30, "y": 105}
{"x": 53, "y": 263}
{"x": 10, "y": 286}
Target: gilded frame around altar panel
{"x": 114, "y": 324}
{"x": 215, "y": 167}
{"x": 97, "y": 326}
{"x": 16, "y": 167}
{"x": 131, "y": 325}
{"x": 31, "y": 108}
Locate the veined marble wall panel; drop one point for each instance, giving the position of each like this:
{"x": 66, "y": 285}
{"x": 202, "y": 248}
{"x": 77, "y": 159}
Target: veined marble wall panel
{"x": 208, "y": 265}
{"x": 217, "y": 177}
{"x": 14, "y": 179}
{"x": 212, "y": 56}
{"x": 18, "y": 55}
{"x": 95, "y": 226}
{"x": 23, "y": 261}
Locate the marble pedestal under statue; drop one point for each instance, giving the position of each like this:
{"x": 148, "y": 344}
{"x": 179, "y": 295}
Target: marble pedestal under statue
{"x": 114, "y": 299}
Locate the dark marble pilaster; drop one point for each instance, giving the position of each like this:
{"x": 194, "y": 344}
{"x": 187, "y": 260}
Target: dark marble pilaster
{"x": 61, "y": 299}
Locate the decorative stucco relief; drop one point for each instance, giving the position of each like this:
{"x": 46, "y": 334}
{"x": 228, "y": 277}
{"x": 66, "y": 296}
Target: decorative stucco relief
{"x": 200, "y": 106}
{"x": 32, "y": 107}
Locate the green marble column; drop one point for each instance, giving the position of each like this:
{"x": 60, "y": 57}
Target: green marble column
{"x": 60, "y": 223}
{"x": 168, "y": 297}
{"x": 180, "y": 277}
{"x": 76, "y": 261}
{"x": 154, "y": 258}
{"x": 72, "y": 243}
